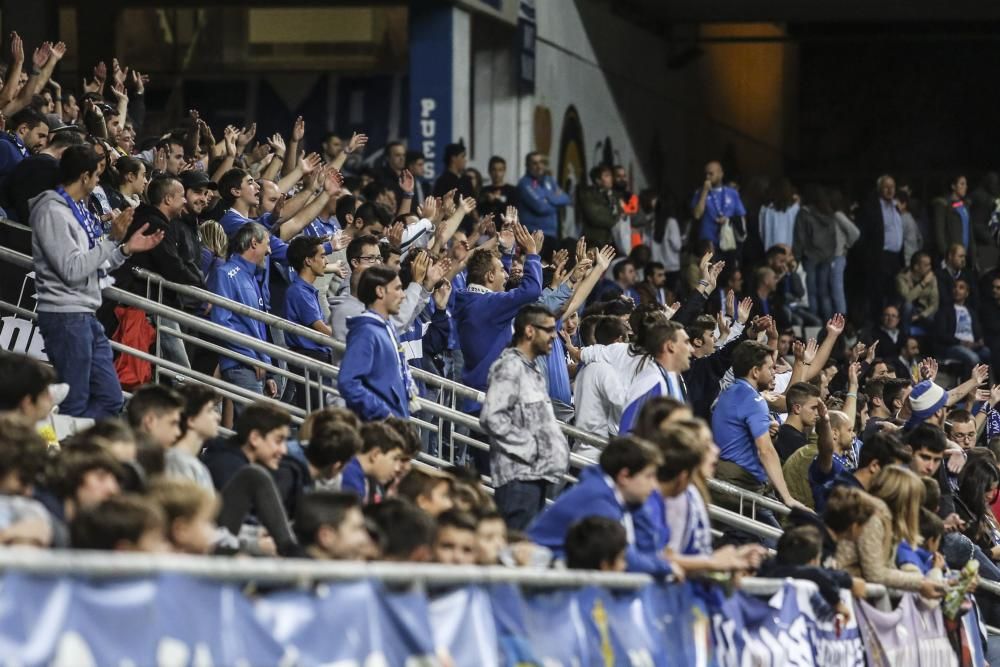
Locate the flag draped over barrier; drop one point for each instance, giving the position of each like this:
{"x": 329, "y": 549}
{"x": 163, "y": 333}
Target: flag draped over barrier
{"x": 174, "y": 620}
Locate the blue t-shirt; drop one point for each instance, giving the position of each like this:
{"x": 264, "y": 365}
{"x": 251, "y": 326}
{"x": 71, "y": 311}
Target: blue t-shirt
{"x": 822, "y": 483}
{"x": 302, "y": 307}
{"x": 720, "y": 201}
{"x": 740, "y": 417}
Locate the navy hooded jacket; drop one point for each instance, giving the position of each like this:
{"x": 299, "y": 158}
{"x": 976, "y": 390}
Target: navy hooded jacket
{"x": 484, "y": 321}
{"x": 371, "y": 377}
{"x": 595, "y": 496}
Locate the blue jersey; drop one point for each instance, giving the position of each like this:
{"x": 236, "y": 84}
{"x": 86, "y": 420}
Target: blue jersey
{"x": 740, "y": 417}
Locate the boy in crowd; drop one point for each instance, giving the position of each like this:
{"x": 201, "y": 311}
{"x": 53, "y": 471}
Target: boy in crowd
{"x": 455, "y": 539}
{"x": 88, "y": 476}
{"x": 330, "y": 526}
{"x": 155, "y": 412}
{"x": 596, "y": 543}
{"x": 189, "y": 512}
{"x": 199, "y": 423}
{"x": 125, "y": 523}
{"x": 802, "y": 400}
{"x": 378, "y": 463}
{"x": 798, "y": 556}
{"x": 429, "y": 490}
{"x": 26, "y": 387}
{"x": 406, "y": 533}
{"x": 616, "y": 488}
{"x": 491, "y": 536}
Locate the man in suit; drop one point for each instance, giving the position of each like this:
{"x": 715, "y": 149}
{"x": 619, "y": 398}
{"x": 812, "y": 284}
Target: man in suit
{"x": 882, "y": 243}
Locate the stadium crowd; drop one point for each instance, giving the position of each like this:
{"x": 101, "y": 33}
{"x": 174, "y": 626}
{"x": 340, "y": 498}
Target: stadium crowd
{"x": 718, "y": 339}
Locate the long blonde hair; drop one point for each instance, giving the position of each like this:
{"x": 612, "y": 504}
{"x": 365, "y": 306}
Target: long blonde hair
{"x": 213, "y": 235}
{"x": 903, "y": 493}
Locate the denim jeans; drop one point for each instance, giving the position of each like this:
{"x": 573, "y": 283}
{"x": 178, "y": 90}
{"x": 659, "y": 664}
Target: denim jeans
{"x": 81, "y": 354}
{"x": 818, "y": 288}
{"x": 837, "y": 268}
{"x": 520, "y": 502}
{"x": 244, "y": 378}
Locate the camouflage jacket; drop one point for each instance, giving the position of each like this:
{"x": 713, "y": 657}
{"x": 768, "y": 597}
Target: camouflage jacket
{"x": 525, "y": 440}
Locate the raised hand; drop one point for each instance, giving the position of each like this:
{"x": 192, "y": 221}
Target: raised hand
{"x": 298, "y": 130}
{"x": 525, "y": 239}
{"x": 58, "y": 50}
{"x": 744, "y": 310}
{"x": 448, "y": 204}
{"x": 395, "y": 234}
{"x": 16, "y": 48}
{"x": 101, "y": 73}
{"x": 436, "y": 272}
{"x": 468, "y": 205}
{"x": 334, "y": 182}
{"x": 870, "y": 357}
{"x": 406, "y": 181}
{"x": 798, "y": 350}
{"x": 730, "y": 304}
{"x": 356, "y": 143}
{"x": 810, "y": 351}
{"x": 442, "y": 295}
{"x": 995, "y": 395}
{"x": 581, "y": 249}
{"x": 429, "y": 209}
{"x": 510, "y": 216}
{"x": 835, "y": 326}
{"x": 244, "y": 137}
{"x": 580, "y": 270}
{"x": 277, "y": 143}
{"x": 672, "y": 309}
{"x": 604, "y": 257}
{"x": 559, "y": 259}
{"x": 311, "y": 163}
{"x": 486, "y": 226}
{"x": 41, "y": 55}
{"x": 722, "y": 324}
{"x": 139, "y": 81}
{"x": 981, "y": 373}
{"x": 118, "y": 75}
{"x": 929, "y": 369}
{"x": 229, "y": 138}
{"x": 139, "y": 242}
{"x": 856, "y": 352}
{"x": 539, "y": 237}
{"x": 418, "y": 268}
{"x": 853, "y": 373}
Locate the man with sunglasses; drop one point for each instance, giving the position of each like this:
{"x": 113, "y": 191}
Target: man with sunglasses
{"x": 528, "y": 451}
{"x": 363, "y": 253}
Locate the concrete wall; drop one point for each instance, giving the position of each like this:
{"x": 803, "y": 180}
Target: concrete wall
{"x": 604, "y": 92}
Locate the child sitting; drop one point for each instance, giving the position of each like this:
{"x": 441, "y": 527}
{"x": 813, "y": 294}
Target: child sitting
{"x": 596, "y": 543}
{"x": 799, "y": 557}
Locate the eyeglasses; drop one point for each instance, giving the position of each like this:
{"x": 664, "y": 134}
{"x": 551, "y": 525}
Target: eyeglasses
{"x": 963, "y": 436}
{"x": 370, "y": 259}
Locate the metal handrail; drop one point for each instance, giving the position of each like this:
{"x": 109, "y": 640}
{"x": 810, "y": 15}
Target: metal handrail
{"x": 743, "y": 494}
{"x": 744, "y": 523}
{"x": 294, "y": 570}
{"x": 313, "y": 335}
{"x": 311, "y": 365}
{"x": 293, "y": 328}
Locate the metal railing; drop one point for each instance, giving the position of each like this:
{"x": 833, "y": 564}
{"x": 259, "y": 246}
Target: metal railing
{"x": 445, "y": 417}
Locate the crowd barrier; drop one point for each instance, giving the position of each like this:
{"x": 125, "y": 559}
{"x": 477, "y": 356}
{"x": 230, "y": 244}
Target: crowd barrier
{"x": 439, "y": 419}
{"x": 80, "y": 608}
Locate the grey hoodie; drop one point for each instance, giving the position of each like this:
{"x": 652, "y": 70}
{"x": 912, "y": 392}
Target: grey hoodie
{"x": 345, "y": 306}
{"x": 66, "y": 268}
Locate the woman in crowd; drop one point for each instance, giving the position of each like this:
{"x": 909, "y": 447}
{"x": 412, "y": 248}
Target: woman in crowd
{"x": 897, "y": 495}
